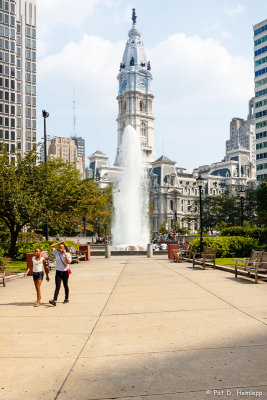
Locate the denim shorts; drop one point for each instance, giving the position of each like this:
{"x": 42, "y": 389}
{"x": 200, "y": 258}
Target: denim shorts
{"x": 38, "y": 276}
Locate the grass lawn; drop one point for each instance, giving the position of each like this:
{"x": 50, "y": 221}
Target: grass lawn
{"x": 16, "y": 266}
{"x": 225, "y": 261}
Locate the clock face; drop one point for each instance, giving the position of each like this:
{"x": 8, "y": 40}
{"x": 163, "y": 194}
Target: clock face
{"x": 124, "y": 85}
{"x": 141, "y": 83}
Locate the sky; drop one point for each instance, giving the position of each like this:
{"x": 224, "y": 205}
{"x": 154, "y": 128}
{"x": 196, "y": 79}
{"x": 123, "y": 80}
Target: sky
{"x": 201, "y": 54}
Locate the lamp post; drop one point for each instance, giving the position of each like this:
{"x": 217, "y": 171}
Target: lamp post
{"x": 200, "y": 183}
{"x": 242, "y": 195}
{"x": 45, "y": 115}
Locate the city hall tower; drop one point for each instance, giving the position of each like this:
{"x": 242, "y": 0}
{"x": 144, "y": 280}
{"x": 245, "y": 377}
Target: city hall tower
{"x": 135, "y": 97}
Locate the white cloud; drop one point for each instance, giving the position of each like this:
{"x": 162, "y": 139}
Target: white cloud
{"x": 192, "y": 73}
{"x": 238, "y": 9}
{"x": 92, "y": 65}
{"x": 194, "y": 80}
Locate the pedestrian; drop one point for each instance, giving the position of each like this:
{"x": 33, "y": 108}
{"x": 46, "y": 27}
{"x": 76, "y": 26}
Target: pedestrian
{"x": 39, "y": 268}
{"x": 63, "y": 260}
{"x": 57, "y": 237}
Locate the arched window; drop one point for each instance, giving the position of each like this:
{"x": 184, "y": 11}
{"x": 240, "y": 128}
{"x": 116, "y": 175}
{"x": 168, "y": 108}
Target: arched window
{"x": 141, "y": 106}
{"x": 124, "y": 106}
{"x": 171, "y": 204}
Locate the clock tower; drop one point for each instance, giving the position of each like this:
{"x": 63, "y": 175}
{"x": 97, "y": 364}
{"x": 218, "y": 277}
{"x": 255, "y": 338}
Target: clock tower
{"x": 135, "y": 97}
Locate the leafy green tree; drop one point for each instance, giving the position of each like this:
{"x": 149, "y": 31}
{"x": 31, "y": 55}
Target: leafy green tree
{"x": 19, "y": 198}
{"x": 261, "y": 203}
{"x": 33, "y": 194}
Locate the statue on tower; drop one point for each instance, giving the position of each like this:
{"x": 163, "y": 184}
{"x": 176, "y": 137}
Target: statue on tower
{"x": 134, "y": 17}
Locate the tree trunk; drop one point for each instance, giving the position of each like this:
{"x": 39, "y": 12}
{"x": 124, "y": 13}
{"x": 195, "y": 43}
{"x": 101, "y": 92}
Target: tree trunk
{"x": 13, "y": 241}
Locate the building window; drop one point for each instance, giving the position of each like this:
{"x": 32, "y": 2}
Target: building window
{"x": 12, "y": 97}
{"x": 6, "y": 121}
{"x": 12, "y": 123}
{"x": 13, "y": 136}
{"x": 12, "y": 108}
{"x": 143, "y": 129}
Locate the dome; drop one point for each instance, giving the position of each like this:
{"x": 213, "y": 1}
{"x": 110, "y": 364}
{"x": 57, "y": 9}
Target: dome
{"x": 134, "y": 53}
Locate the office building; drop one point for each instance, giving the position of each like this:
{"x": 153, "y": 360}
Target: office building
{"x": 260, "y": 75}
{"x": 80, "y": 144}
{"x": 18, "y": 75}
{"x": 66, "y": 150}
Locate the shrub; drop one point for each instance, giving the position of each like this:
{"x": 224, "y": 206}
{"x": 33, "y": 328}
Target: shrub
{"x": 256, "y": 233}
{"x": 228, "y": 246}
{"x": 28, "y": 247}
{"x": 2, "y": 260}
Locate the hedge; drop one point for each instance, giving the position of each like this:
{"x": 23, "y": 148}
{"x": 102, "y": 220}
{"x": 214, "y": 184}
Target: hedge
{"x": 256, "y": 233}
{"x": 28, "y": 247}
{"x": 234, "y": 246}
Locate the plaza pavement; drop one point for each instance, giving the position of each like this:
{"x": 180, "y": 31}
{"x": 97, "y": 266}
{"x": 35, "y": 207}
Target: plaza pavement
{"x": 135, "y": 328}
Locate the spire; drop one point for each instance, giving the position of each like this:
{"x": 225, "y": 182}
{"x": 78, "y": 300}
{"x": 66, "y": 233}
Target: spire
{"x": 134, "y": 16}
{"x": 74, "y": 112}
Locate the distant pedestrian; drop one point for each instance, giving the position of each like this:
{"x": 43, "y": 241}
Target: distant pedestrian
{"x": 39, "y": 268}
{"x": 57, "y": 237}
{"x": 63, "y": 260}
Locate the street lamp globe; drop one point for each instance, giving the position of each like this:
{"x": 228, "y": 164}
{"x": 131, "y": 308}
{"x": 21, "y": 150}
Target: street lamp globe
{"x": 242, "y": 192}
{"x": 200, "y": 181}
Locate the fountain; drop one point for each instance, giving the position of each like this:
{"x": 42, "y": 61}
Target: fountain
{"x": 130, "y": 228}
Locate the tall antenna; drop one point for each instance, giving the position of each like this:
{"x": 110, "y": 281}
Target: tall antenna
{"x": 74, "y": 112}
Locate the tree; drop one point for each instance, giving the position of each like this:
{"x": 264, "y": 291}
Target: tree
{"x": 215, "y": 211}
{"x": 261, "y": 203}
{"x": 33, "y": 193}
{"x": 19, "y": 198}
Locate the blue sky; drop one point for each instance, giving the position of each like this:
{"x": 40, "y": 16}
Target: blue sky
{"x": 201, "y": 54}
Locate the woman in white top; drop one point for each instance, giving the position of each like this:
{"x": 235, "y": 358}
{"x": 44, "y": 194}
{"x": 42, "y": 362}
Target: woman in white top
{"x": 39, "y": 267}
{"x": 63, "y": 260}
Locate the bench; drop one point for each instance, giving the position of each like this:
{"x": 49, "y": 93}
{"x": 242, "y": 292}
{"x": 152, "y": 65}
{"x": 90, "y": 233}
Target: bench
{"x": 261, "y": 267}
{"x": 256, "y": 263}
{"x": 3, "y": 275}
{"x": 183, "y": 254}
{"x": 74, "y": 254}
{"x": 208, "y": 255}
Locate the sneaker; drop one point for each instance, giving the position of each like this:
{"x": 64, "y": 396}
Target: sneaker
{"x": 65, "y": 301}
{"x": 53, "y": 302}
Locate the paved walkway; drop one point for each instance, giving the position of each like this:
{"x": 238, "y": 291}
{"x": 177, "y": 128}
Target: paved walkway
{"x": 135, "y": 329}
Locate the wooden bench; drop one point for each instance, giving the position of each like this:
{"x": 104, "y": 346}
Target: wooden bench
{"x": 247, "y": 264}
{"x": 74, "y": 254}
{"x": 208, "y": 255}
{"x": 261, "y": 267}
{"x": 257, "y": 264}
{"x": 183, "y": 254}
{"x": 3, "y": 275}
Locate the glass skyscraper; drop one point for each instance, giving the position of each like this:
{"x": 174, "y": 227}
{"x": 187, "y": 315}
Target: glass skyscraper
{"x": 260, "y": 75}
{"x": 18, "y": 75}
